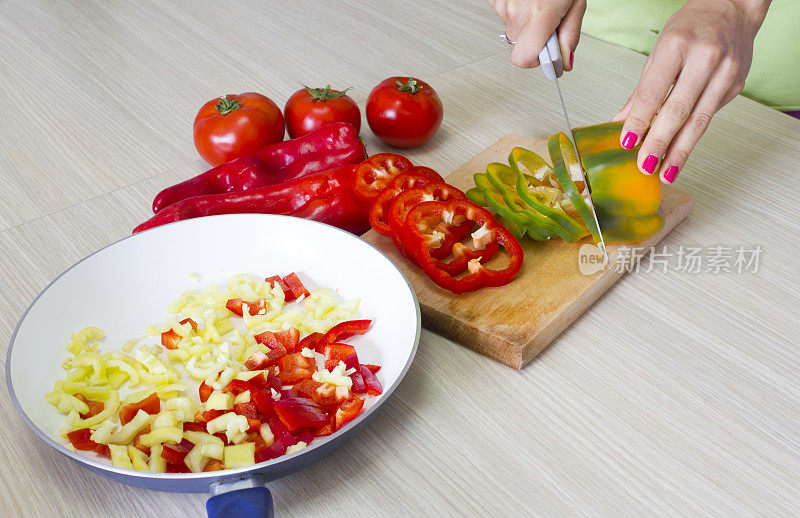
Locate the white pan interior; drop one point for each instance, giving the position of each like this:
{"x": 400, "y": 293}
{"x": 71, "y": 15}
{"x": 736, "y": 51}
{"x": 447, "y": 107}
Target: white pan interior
{"x": 127, "y": 285}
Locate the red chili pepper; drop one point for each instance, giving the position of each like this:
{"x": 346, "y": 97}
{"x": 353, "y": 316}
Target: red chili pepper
{"x": 342, "y": 209}
{"x": 290, "y": 197}
{"x": 347, "y": 329}
{"x": 375, "y": 173}
{"x": 328, "y": 147}
{"x": 421, "y": 222}
{"x": 378, "y": 213}
{"x": 407, "y": 200}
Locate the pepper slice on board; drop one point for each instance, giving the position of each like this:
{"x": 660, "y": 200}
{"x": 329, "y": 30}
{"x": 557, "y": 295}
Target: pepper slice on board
{"x": 564, "y": 159}
{"x": 421, "y": 223}
{"x": 418, "y": 177}
{"x": 448, "y": 234}
{"x": 536, "y": 184}
{"x": 375, "y": 173}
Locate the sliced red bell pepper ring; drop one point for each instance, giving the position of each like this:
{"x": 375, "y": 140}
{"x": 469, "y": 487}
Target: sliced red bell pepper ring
{"x": 402, "y": 182}
{"x": 421, "y": 223}
{"x": 405, "y": 201}
{"x": 375, "y": 173}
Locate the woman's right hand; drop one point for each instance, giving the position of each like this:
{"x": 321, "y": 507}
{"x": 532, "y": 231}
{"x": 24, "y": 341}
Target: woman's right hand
{"x": 530, "y": 23}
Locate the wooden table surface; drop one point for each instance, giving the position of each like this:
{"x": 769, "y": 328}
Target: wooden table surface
{"x": 677, "y": 393}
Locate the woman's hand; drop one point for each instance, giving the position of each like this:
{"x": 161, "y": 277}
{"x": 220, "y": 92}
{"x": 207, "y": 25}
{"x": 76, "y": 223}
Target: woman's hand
{"x": 698, "y": 65}
{"x": 530, "y": 23}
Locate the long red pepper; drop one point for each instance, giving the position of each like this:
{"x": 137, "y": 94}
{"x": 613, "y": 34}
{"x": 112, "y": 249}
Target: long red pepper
{"x": 326, "y": 196}
{"x": 330, "y": 146}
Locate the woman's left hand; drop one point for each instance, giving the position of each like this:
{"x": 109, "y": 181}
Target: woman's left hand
{"x": 698, "y": 65}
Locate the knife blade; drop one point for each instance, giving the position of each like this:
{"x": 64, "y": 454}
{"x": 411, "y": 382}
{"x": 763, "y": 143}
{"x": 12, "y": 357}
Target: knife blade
{"x": 553, "y": 66}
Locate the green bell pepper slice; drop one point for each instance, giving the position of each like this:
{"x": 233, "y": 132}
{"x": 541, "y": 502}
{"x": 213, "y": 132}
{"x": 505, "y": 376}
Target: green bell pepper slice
{"x": 564, "y": 159}
{"x": 521, "y": 221}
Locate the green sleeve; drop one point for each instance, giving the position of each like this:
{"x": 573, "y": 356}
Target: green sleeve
{"x": 774, "y": 77}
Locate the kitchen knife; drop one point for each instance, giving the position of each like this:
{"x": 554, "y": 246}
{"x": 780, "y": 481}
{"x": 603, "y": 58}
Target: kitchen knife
{"x": 553, "y": 67}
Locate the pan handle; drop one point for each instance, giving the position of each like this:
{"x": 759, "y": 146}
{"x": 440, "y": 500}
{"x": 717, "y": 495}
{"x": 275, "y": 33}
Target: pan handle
{"x": 244, "y": 497}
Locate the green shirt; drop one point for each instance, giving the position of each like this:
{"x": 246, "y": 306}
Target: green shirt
{"x": 774, "y": 77}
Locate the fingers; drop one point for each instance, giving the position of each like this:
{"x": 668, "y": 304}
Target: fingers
{"x": 530, "y": 41}
{"x": 569, "y": 32}
{"x": 650, "y": 94}
{"x": 672, "y": 116}
{"x": 623, "y": 113}
{"x": 722, "y": 87}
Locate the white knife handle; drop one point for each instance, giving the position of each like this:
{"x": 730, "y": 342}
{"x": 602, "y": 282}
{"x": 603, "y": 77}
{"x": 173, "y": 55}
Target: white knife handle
{"x": 550, "y": 58}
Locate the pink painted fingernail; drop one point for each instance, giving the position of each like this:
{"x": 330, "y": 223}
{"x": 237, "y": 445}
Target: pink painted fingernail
{"x": 649, "y": 164}
{"x": 671, "y": 173}
{"x": 571, "y": 58}
{"x": 630, "y": 140}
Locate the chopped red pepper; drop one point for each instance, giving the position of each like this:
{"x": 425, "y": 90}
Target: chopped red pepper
{"x": 151, "y": 404}
{"x": 314, "y": 341}
{"x": 260, "y": 360}
{"x": 288, "y": 339}
{"x": 205, "y": 391}
{"x": 253, "y": 308}
{"x": 334, "y": 353}
{"x": 95, "y": 407}
{"x": 263, "y": 402}
{"x": 375, "y": 173}
{"x": 194, "y": 426}
{"x": 373, "y": 368}
{"x": 287, "y": 291}
{"x": 348, "y": 411}
{"x": 174, "y": 454}
{"x": 249, "y": 409}
{"x": 295, "y": 367}
{"x": 379, "y": 210}
{"x": 236, "y": 387}
{"x": 300, "y": 413}
{"x": 421, "y": 223}
{"x": 371, "y": 382}
{"x": 80, "y": 439}
{"x": 213, "y": 465}
{"x": 277, "y": 448}
{"x": 347, "y": 329}
{"x": 296, "y": 286}
{"x": 170, "y": 339}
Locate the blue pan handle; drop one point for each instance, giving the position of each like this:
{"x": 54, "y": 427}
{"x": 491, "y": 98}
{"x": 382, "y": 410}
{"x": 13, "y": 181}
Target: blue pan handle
{"x": 244, "y": 497}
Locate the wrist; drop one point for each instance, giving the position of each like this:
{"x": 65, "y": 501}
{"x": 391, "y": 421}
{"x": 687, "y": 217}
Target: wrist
{"x": 754, "y": 11}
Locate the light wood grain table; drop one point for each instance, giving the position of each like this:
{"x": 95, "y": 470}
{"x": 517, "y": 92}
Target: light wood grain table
{"x": 677, "y": 393}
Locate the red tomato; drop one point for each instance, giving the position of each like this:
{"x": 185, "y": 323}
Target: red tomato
{"x": 233, "y": 126}
{"x": 404, "y": 111}
{"x": 311, "y": 108}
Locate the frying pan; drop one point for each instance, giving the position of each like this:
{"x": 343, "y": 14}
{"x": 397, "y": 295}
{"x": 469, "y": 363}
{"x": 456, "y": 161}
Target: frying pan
{"x": 125, "y": 286}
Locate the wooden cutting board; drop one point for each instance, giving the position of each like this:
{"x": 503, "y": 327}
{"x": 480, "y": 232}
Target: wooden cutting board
{"x": 513, "y": 323}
